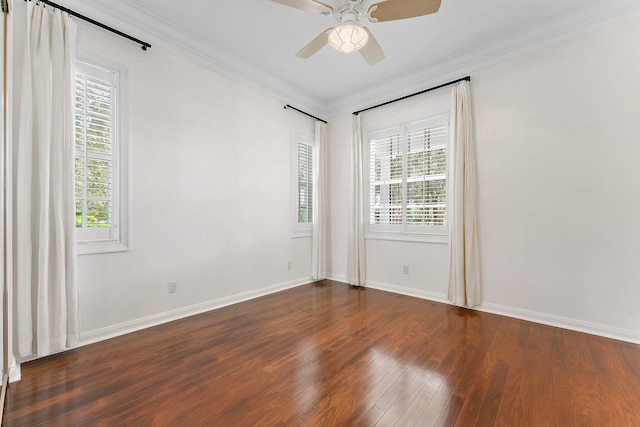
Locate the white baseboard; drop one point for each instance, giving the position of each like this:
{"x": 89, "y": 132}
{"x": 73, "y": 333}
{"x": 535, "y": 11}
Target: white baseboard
{"x": 337, "y": 278}
{"x": 113, "y": 331}
{"x": 14, "y": 374}
{"x": 418, "y": 293}
{"x": 562, "y": 322}
{"x": 522, "y": 314}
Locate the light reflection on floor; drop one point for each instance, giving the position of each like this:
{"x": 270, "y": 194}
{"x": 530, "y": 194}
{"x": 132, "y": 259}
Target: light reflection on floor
{"x": 377, "y": 386}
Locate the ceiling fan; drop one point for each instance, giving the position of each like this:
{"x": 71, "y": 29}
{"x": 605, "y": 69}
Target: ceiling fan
{"x": 350, "y": 36}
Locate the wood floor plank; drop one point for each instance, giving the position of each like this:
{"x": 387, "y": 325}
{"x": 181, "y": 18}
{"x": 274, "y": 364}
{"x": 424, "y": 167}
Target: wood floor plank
{"x": 482, "y": 393}
{"x": 435, "y": 407}
{"x": 617, "y": 386}
{"x": 406, "y": 393}
{"x": 470, "y": 357}
{"x": 537, "y": 391}
{"x": 327, "y": 354}
{"x": 493, "y": 396}
{"x": 513, "y": 355}
{"x": 564, "y": 384}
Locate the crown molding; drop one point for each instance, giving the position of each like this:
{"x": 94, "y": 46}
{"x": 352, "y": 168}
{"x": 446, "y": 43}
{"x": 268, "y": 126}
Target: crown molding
{"x": 563, "y": 29}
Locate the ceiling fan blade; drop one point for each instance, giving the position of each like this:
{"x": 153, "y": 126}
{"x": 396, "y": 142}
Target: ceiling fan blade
{"x": 315, "y": 45}
{"x": 390, "y": 10}
{"x": 371, "y": 52}
{"x": 308, "y": 6}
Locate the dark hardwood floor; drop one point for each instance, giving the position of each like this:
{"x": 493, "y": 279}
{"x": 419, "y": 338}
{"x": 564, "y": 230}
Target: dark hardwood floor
{"x": 331, "y": 355}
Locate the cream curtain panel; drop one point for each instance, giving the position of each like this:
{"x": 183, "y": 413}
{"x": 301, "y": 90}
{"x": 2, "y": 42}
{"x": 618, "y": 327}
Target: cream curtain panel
{"x": 46, "y": 290}
{"x": 319, "y": 236}
{"x": 464, "y": 266}
{"x": 356, "y": 267}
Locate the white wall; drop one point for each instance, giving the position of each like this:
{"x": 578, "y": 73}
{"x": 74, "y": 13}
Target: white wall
{"x": 210, "y": 185}
{"x": 211, "y": 191}
{"x": 557, "y": 148}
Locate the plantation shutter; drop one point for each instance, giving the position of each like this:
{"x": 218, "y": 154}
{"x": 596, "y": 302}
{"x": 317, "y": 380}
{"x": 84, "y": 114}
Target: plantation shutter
{"x": 386, "y": 170}
{"x": 305, "y": 182}
{"x": 427, "y": 174}
{"x": 94, "y": 133}
{"x": 408, "y": 178}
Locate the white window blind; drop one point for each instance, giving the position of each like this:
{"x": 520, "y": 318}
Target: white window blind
{"x": 427, "y": 175}
{"x": 386, "y": 168}
{"x": 301, "y": 185}
{"x": 408, "y": 178}
{"x": 94, "y": 152}
{"x": 305, "y": 182}
{"x": 98, "y": 182}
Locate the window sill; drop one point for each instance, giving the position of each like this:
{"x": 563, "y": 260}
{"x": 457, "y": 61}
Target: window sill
{"x": 409, "y": 237}
{"x": 299, "y": 234}
{"x": 93, "y": 248}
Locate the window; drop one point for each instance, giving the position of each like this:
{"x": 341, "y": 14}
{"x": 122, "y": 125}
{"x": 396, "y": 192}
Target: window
{"x": 407, "y": 180}
{"x": 303, "y": 185}
{"x": 100, "y": 160}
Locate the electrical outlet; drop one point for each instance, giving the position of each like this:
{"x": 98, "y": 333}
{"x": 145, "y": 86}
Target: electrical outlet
{"x": 289, "y": 265}
{"x": 405, "y": 269}
{"x": 173, "y": 287}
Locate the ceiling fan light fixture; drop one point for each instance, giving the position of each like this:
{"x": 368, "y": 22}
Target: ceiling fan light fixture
{"x": 348, "y": 38}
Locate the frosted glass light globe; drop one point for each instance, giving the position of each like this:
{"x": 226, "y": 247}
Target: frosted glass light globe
{"x": 348, "y": 38}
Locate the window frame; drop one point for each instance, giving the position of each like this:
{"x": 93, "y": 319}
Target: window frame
{"x": 118, "y": 238}
{"x": 404, "y": 231}
{"x": 299, "y": 229}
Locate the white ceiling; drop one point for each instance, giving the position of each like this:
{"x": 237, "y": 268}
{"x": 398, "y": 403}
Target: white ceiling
{"x": 265, "y": 36}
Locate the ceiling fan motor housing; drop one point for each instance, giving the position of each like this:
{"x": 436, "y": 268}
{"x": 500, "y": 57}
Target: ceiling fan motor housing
{"x": 350, "y": 11}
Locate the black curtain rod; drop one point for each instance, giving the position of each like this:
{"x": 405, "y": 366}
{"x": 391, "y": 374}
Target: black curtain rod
{"x": 306, "y": 114}
{"x": 144, "y": 44}
{"x": 468, "y": 78}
